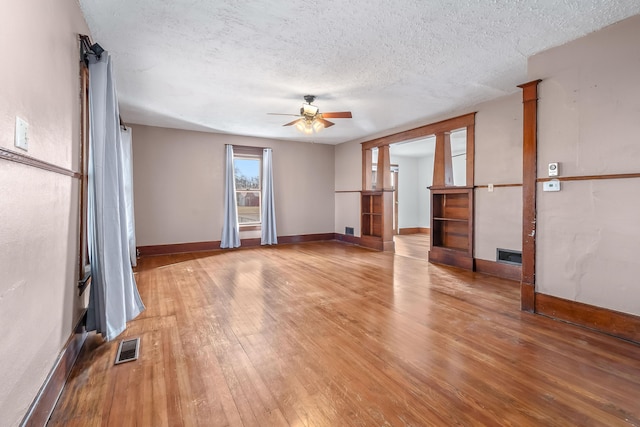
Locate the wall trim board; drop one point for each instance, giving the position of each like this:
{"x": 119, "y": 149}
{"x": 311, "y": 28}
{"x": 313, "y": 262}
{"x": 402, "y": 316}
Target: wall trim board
{"x": 452, "y": 258}
{"x": 498, "y": 185}
{"x": 415, "y": 230}
{"x": 348, "y": 191}
{"x": 179, "y": 248}
{"x": 354, "y": 240}
{"x": 45, "y": 401}
{"x": 591, "y": 177}
{"x": 14, "y": 156}
{"x": 621, "y": 325}
{"x": 499, "y": 269}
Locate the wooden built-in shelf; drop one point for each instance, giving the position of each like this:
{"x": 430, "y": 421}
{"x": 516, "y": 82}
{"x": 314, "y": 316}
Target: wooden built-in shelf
{"x": 452, "y": 226}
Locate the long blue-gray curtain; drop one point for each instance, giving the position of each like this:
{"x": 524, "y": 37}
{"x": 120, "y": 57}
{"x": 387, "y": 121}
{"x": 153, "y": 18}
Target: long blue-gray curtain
{"x": 114, "y": 297}
{"x": 269, "y": 233}
{"x": 231, "y": 229}
{"x": 127, "y": 159}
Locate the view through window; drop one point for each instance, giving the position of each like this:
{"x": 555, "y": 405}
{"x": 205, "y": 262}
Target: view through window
{"x": 248, "y": 189}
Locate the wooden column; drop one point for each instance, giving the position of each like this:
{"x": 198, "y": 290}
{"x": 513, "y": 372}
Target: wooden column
{"x": 470, "y": 155}
{"x": 367, "y": 164}
{"x": 442, "y": 163}
{"x": 529, "y": 173}
{"x": 384, "y": 169}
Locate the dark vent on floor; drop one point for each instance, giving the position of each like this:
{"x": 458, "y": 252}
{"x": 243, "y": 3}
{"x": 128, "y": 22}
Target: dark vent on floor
{"x": 508, "y": 256}
{"x": 128, "y": 350}
{"x": 348, "y": 231}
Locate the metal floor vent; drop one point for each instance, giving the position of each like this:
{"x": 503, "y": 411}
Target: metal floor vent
{"x": 128, "y": 350}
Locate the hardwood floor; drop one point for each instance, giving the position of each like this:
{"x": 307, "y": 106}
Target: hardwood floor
{"x": 329, "y": 334}
{"x": 413, "y": 245}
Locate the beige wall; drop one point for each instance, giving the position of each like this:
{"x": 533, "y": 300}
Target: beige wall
{"x": 348, "y": 183}
{"x": 179, "y": 182}
{"x": 498, "y": 160}
{"x": 38, "y": 209}
{"x": 588, "y": 234}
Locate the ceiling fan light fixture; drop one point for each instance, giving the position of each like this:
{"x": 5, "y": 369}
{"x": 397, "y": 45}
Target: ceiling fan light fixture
{"x": 309, "y": 110}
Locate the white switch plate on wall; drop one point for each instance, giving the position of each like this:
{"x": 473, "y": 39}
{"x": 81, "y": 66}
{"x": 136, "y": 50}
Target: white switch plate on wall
{"x": 553, "y": 185}
{"x": 22, "y": 136}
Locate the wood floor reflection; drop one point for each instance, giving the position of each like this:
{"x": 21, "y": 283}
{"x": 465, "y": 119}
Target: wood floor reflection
{"x": 329, "y": 334}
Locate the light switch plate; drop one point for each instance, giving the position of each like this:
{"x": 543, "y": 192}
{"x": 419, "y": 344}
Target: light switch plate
{"x": 22, "y": 136}
{"x": 553, "y": 185}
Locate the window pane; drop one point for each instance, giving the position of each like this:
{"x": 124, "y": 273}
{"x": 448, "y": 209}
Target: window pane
{"x": 248, "y": 206}
{"x": 247, "y": 174}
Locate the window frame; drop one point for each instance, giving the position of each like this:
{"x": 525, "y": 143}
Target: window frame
{"x": 250, "y": 153}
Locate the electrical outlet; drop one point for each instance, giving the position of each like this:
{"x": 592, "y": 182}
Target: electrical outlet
{"x": 22, "y": 136}
{"x": 490, "y": 187}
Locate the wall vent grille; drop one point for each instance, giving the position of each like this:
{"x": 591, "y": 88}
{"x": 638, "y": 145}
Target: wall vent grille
{"x": 509, "y": 256}
{"x": 348, "y": 231}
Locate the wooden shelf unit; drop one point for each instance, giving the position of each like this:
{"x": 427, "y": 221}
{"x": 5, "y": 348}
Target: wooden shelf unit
{"x": 376, "y": 230}
{"x": 452, "y": 226}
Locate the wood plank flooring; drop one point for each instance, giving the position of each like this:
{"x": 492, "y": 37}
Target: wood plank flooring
{"x": 329, "y": 334}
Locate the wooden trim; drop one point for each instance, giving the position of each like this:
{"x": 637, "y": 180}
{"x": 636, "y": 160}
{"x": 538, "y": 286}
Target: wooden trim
{"x": 249, "y": 227}
{"x": 591, "y": 177}
{"x": 611, "y": 322}
{"x": 471, "y": 150}
{"x": 347, "y": 191}
{"x": 372, "y": 242}
{"x": 355, "y": 240}
{"x": 13, "y": 156}
{"x": 179, "y": 248}
{"x": 415, "y": 230}
{"x": 442, "y": 162}
{"x": 529, "y": 171}
{"x": 48, "y": 395}
{"x": 439, "y": 255}
{"x": 499, "y": 269}
{"x": 498, "y": 185}
{"x": 422, "y": 131}
{"x": 527, "y": 297}
{"x": 367, "y": 168}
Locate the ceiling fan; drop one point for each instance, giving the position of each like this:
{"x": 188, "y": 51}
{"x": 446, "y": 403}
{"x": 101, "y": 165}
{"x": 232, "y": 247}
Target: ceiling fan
{"x": 311, "y": 119}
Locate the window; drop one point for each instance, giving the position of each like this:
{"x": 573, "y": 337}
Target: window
{"x": 248, "y": 188}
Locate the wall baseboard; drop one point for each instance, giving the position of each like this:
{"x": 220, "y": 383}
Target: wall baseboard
{"x": 611, "y": 322}
{"x": 354, "y": 240}
{"x": 180, "y": 248}
{"x": 48, "y": 395}
{"x": 498, "y": 269}
{"x": 414, "y": 230}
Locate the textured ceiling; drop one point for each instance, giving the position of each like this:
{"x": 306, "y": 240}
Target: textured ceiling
{"x": 221, "y": 65}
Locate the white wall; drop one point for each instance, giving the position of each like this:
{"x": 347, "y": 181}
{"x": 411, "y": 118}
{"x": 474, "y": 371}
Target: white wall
{"x": 588, "y": 234}
{"x": 498, "y": 160}
{"x": 38, "y": 209}
{"x": 179, "y": 183}
{"x": 408, "y": 214}
{"x": 425, "y": 179}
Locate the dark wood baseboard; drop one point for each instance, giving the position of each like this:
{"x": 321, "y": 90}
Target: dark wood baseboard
{"x": 47, "y": 397}
{"x": 527, "y": 297}
{"x": 179, "y": 248}
{"x": 414, "y": 230}
{"x": 499, "y": 269}
{"x": 611, "y": 322}
{"x": 372, "y": 243}
{"x": 355, "y": 240}
{"x": 450, "y": 257}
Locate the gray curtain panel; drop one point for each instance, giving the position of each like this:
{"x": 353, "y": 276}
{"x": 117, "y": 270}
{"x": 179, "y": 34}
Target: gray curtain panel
{"x": 230, "y": 229}
{"x": 269, "y": 233}
{"x": 114, "y": 297}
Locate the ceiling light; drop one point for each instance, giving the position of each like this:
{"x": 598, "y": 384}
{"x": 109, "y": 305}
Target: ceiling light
{"x": 309, "y": 126}
{"x": 309, "y": 110}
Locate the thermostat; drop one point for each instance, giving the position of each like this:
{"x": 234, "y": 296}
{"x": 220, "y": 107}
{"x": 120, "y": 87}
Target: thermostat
{"x": 553, "y": 169}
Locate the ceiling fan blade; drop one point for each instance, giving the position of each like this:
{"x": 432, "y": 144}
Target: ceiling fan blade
{"x": 326, "y": 123}
{"x": 283, "y": 114}
{"x": 338, "y": 115}
{"x": 293, "y": 122}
